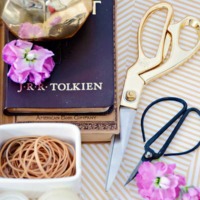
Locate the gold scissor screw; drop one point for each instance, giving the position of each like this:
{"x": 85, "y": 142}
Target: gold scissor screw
{"x": 130, "y": 95}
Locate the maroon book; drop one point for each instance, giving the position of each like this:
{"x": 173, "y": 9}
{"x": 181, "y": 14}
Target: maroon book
{"x": 83, "y": 78}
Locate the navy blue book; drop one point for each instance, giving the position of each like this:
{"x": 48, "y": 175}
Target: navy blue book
{"x": 83, "y": 79}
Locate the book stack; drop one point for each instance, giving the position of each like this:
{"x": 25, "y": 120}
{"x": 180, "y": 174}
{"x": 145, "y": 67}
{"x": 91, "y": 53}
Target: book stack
{"x": 81, "y": 90}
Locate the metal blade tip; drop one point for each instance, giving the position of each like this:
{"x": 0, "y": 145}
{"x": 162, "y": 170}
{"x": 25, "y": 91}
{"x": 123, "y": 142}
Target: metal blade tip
{"x": 127, "y": 182}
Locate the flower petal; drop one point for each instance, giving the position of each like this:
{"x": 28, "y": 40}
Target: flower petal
{"x": 17, "y": 77}
{"x": 192, "y": 192}
{"x": 171, "y": 168}
{"x": 45, "y": 73}
{"x": 38, "y": 65}
{"x": 19, "y": 47}
{"x": 157, "y": 181}
{"x": 43, "y": 59}
{"x": 9, "y": 55}
{"x": 34, "y": 65}
{"x": 161, "y": 168}
{"x": 43, "y": 54}
{"x": 21, "y": 65}
{"x": 182, "y": 180}
{"x": 36, "y": 47}
{"x": 186, "y": 197}
{"x": 174, "y": 180}
{"x": 25, "y": 45}
{"x": 49, "y": 64}
{"x": 36, "y": 78}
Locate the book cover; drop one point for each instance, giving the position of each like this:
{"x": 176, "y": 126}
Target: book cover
{"x": 94, "y": 127}
{"x": 83, "y": 79}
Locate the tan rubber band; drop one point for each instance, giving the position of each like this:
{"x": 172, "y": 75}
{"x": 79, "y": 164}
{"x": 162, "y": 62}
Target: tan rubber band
{"x": 37, "y": 157}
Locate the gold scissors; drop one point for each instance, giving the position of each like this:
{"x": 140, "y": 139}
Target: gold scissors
{"x": 143, "y": 72}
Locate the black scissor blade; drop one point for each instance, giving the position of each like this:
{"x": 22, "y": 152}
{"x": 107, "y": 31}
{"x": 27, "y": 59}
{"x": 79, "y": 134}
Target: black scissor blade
{"x": 134, "y": 173}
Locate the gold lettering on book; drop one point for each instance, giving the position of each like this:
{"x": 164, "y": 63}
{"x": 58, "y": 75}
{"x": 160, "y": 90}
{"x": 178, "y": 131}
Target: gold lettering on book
{"x": 30, "y": 86}
{"x": 84, "y": 117}
{"x": 20, "y": 88}
{"x": 68, "y": 87}
{"x": 41, "y": 87}
{"x": 76, "y": 86}
{"x": 98, "y": 86}
{"x": 95, "y": 2}
{"x": 49, "y": 117}
{"x": 62, "y": 87}
{"x": 53, "y": 86}
{"x": 83, "y": 86}
{"x": 89, "y": 86}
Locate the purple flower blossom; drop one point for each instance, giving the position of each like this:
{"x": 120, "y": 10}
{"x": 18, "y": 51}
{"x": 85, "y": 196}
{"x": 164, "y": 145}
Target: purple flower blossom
{"x": 31, "y": 31}
{"x": 158, "y": 182}
{"x": 190, "y": 193}
{"x": 28, "y": 62}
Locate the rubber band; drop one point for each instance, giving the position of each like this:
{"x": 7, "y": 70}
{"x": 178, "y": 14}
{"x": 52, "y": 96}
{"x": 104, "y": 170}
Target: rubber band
{"x": 37, "y": 157}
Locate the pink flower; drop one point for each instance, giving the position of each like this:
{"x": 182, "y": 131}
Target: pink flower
{"x": 158, "y": 182}
{"x": 30, "y": 31}
{"x": 191, "y": 193}
{"x": 28, "y": 62}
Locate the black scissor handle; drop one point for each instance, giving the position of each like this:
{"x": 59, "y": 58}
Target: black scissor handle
{"x": 182, "y": 114}
{"x": 175, "y": 131}
{"x": 166, "y": 126}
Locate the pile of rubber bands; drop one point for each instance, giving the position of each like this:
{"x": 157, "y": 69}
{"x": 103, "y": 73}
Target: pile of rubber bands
{"x": 37, "y": 157}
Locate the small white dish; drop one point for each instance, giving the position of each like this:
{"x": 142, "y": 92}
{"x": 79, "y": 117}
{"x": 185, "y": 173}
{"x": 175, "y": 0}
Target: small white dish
{"x": 34, "y": 188}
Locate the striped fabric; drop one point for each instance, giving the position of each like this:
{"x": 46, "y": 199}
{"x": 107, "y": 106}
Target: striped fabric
{"x": 184, "y": 82}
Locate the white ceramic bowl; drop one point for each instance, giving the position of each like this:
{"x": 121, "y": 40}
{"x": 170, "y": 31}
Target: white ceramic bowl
{"x": 33, "y": 188}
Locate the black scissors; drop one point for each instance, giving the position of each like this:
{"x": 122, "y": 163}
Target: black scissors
{"x": 149, "y": 153}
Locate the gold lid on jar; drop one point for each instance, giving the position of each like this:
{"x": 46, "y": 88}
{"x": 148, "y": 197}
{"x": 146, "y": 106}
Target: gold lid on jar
{"x": 45, "y": 19}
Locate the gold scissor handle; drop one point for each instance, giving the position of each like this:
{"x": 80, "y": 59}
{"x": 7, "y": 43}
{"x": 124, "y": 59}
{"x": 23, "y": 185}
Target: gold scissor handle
{"x": 134, "y": 84}
{"x": 178, "y": 56}
{"x": 153, "y": 62}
